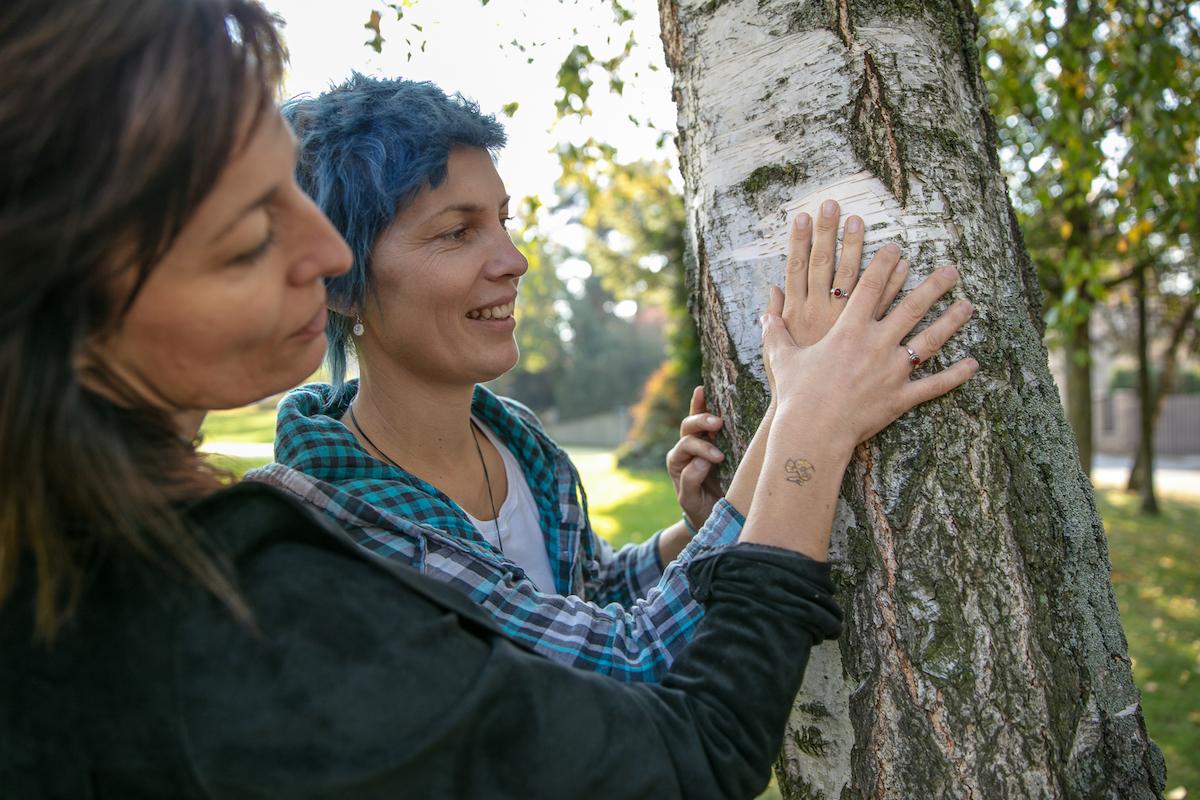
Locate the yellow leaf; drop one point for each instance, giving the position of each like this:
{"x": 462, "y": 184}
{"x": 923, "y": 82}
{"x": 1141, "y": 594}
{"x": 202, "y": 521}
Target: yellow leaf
{"x": 1065, "y": 230}
{"x": 1123, "y": 246}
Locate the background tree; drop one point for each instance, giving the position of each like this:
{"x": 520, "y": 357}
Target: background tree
{"x": 1097, "y": 126}
{"x": 1165, "y": 380}
{"x": 983, "y": 655}
{"x": 632, "y": 215}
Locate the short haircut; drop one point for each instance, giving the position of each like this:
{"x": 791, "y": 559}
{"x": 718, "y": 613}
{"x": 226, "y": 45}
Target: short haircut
{"x": 366, "y": 148}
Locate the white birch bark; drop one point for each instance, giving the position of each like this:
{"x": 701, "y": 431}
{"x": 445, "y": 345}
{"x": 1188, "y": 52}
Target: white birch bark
{"x": 983, "y": 655}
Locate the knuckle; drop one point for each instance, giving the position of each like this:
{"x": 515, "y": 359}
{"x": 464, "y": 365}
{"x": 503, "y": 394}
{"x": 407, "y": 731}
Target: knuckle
{"x": 912, "y": 307}
{"x": 796, "y": 264}
{"x": 932, "y": 339}
{"x": 871, "y": 282}
{"x": 821, "y": 258}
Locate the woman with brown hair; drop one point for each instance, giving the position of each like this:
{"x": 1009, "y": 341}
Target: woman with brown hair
{"x": 163, "y": 636}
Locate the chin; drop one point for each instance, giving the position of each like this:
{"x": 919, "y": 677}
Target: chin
{"x": 495, "y": 367}
{"x": 288, "y": 373}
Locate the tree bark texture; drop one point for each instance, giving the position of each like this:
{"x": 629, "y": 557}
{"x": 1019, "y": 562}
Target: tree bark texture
{"x": 983, "y": 655}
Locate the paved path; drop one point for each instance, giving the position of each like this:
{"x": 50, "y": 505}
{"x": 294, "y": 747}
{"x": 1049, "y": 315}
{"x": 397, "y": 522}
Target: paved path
{"x": 1177, "y": 476}
{"x": 240, "y": 449}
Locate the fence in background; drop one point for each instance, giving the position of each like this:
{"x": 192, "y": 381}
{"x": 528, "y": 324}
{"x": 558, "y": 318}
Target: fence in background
{"x": 1117, "y": 425}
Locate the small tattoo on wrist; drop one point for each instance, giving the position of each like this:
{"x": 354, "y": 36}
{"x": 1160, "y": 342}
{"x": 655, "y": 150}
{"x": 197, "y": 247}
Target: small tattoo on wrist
{"x": 799, "y": 471}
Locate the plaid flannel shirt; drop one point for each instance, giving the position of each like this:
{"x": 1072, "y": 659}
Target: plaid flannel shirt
{"x": 618, "y": 613}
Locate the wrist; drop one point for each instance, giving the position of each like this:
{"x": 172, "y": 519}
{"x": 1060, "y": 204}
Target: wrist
{"x": 823, "y": 428}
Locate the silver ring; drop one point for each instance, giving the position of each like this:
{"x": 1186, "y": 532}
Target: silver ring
{"x": 913, "y": 358}
{"x": 839, "y": 292}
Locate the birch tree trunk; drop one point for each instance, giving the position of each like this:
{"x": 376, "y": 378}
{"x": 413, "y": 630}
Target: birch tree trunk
{"x": 983, "y": 655}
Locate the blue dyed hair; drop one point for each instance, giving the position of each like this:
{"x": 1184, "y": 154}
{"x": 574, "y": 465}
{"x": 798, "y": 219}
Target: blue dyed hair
{"x": 366, "y": 148}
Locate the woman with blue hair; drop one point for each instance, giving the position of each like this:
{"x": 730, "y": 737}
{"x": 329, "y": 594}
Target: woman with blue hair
{"x": 421, "y": 463}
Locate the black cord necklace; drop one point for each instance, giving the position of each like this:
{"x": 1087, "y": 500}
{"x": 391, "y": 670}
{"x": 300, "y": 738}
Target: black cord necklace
{"x": 487, "y": 478}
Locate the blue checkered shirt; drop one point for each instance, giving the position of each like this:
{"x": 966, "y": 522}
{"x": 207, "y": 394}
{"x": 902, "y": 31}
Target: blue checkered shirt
{"x": 615, "y": 612}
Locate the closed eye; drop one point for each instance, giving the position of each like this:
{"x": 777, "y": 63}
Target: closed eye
{"x": 257, "y": 252}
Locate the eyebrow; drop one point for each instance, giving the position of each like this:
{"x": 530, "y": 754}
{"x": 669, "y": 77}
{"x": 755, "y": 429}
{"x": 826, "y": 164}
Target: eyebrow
{"x": 267, "y": 197}
{"x": 469, "y": 208}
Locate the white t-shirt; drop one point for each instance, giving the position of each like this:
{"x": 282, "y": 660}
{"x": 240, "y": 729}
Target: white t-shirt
{"x": 521, "y": 536}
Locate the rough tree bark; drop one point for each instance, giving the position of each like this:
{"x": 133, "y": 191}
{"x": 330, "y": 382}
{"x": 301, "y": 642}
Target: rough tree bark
{"x": 983, "y": 655}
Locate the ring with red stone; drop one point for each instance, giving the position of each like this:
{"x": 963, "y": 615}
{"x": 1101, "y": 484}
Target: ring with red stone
{"x": 913, "y": 358}
{"x": 839, "y": 292}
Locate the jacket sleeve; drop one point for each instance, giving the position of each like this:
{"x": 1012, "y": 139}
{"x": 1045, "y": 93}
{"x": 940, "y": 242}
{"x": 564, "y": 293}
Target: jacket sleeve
{"x": 634, "y": 571}
{"x": 358, "y": 684}
{"x": 635, "y": 642}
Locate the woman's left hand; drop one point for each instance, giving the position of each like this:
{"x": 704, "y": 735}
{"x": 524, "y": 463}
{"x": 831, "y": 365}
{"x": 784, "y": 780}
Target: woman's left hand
{"x": 690, "y": 462}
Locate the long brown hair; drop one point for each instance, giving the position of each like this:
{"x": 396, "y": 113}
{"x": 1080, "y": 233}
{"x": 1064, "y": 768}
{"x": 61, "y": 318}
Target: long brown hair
{"x": 116, "y": 117}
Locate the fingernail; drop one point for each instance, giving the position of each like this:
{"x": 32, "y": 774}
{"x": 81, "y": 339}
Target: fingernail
{"x": 803, "y": 220}
{"x": 949, "y": 272}
{"x": 903, "y": 265}
{"x": 710, "y": 420}
{"x": 828, "y": 208}
{"x": 853, "y": 225}
{"x": 714, "y": 452}
{"x": 892, "y": 247}
{"x": 967, "y": 307}
{"x": 762, "y": 321}
{"x": 973, "y": 364}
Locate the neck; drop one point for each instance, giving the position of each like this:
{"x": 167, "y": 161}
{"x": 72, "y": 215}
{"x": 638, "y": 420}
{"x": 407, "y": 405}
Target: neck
{"x": 188, "y": 423}
{"x": 423, "y": 426}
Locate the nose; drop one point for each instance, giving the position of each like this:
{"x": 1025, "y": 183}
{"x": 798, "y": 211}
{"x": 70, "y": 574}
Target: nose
{"x": 507, "y": 261}
{"x": 324, "y": 252}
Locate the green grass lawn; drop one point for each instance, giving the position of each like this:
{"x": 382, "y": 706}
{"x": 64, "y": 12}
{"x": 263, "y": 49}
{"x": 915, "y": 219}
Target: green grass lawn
{"x": 1156, "y": 573}
{"x": 250, "y": 424}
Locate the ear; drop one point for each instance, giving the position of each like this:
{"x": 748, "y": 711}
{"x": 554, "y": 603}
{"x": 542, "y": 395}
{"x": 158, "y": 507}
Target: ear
{"x": 338, "y": 303}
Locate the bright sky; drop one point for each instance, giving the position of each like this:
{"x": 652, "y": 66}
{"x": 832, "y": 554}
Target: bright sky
{"x": 463, "y": 53}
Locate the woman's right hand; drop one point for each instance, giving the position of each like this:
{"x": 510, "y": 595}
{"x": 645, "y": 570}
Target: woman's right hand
{"x": 856, "y": 380}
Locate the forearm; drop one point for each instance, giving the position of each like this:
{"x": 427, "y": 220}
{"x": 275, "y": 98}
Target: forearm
{"x": 672, "y": 540}
{"x": 765, "y": 609}
{"x": 745, "y": 479}
{"x": 797, "y": 489}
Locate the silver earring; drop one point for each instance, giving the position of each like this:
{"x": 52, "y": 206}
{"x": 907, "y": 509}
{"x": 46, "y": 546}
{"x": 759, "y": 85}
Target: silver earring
{"x": 358, "y": 329}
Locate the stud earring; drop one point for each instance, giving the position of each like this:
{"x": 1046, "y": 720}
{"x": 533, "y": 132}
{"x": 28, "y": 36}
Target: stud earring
{"x": 358, "y": 329}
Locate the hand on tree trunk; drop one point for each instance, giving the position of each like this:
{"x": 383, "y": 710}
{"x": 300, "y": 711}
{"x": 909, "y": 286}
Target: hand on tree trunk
{"x": 814, "y": 293}
{"x": 690, "y": 462}
{"x": 855, "y": 381}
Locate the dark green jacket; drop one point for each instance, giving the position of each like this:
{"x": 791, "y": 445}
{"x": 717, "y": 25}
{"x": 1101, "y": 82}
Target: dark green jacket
{"x": 365, "y": 679}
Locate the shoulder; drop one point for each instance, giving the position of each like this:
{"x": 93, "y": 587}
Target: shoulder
{"x": 522, "y": 412}
{"x": 258, "y": 527}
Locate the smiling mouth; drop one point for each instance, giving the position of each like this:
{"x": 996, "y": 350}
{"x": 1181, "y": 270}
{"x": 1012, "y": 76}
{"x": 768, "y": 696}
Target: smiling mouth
{"x": 503, "y": 311}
